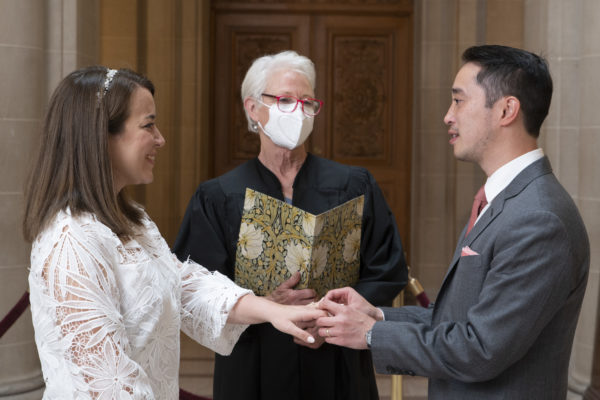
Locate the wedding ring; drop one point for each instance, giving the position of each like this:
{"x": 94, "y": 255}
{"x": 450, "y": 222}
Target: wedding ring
{"x": 327, "y": 332}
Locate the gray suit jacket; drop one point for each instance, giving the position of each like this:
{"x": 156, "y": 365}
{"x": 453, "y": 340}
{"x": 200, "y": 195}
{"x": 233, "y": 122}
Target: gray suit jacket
{"x": 503, "y": 323}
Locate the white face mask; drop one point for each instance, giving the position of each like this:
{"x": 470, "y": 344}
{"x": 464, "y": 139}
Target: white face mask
{"x": 288, "y": 130}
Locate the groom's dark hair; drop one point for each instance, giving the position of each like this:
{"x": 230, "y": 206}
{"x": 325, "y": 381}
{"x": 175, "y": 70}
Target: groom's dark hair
{"x": 507, "y": 71}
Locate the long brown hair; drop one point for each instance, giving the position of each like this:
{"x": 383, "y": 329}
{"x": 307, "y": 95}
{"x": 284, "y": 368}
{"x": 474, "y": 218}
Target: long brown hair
{"x": 72, "y": 168}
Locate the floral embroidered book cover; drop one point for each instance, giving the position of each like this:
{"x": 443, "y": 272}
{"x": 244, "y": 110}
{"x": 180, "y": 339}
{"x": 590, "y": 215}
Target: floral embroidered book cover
{"x": 277, "y": 239}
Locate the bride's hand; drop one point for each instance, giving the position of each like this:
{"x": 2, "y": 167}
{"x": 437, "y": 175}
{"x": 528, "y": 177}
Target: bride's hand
{"x": 288, "y": 318}
{"x": 251, "y": 309}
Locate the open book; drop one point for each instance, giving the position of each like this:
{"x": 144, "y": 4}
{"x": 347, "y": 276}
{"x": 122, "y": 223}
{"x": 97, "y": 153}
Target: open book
{"x": 277, "y": 239}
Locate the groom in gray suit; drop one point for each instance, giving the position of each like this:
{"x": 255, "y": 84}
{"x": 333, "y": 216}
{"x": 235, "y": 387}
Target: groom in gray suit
{"x": 503, "y": 323}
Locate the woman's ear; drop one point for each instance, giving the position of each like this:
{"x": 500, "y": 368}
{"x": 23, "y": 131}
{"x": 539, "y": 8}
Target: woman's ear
{"x": 510, "y": 110}
{"x": 251, "y": 106}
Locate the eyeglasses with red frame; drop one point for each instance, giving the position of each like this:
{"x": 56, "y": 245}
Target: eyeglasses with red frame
{"x": 288, "y": 104}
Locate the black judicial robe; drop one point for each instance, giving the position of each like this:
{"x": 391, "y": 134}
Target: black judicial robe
{"x": 265, "y": 363}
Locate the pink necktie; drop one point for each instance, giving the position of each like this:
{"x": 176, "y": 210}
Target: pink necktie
{"x": 478, "y": 204}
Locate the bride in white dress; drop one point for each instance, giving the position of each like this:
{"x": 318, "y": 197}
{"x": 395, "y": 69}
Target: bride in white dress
{"x": 108, "y": 298}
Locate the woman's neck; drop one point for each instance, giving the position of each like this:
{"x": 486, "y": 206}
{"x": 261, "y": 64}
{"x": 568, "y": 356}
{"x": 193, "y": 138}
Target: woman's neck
{"x": 284, "y": 163}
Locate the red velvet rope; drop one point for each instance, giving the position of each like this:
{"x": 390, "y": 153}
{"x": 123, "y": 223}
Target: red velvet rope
{"x": 14, "y": 313}
{"x": 18, "y": 310}
{"x": 423, "y": 299}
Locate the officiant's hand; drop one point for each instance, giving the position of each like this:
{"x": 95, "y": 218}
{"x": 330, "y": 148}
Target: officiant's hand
{"x": 286, "y": 294}
{"x": 313, "y": 330}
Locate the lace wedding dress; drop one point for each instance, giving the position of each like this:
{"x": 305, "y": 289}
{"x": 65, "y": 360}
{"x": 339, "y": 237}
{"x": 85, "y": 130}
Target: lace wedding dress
{"x": 107, "y": 314}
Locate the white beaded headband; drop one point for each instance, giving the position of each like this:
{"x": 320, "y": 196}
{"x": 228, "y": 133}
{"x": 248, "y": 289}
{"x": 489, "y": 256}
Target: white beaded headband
{"x": 110, "y": 74}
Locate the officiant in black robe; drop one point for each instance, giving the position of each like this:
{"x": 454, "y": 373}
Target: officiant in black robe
{"x": 278, "y": 94}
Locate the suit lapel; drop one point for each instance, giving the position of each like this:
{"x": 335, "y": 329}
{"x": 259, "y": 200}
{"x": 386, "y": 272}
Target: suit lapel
{"x": 520, "y": 182}
{"x": 493, "y": 211}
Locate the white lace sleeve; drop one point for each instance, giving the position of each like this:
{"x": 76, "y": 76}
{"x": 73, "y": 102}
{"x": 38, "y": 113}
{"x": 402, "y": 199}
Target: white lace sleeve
{"x": 80, "y": 334}
{"x": 206, "y": 298}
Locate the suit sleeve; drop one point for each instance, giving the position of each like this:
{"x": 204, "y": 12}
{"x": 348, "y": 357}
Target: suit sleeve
{"x": 414, "y": 314}
{"x": 533, "y": 273}
{"x": 383, "y": 269}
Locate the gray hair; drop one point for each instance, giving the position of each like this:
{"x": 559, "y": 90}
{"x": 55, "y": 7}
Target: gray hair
{"x": 262, "y": 68}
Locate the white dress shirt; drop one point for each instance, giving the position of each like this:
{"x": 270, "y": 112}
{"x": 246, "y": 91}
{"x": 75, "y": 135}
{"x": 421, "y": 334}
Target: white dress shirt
{"x": 504, "y": 175}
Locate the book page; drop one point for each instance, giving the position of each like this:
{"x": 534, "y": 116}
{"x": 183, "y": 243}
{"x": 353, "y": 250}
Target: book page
{"x": 277, "y": 239}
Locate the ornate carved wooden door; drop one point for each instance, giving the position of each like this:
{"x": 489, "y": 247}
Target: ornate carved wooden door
{"x": 363, "y": 55}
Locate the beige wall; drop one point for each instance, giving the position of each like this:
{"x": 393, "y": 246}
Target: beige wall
{"x": 40, "y": 41}
{"x": 21, "y": 103}
{"x": 567, "y": 33}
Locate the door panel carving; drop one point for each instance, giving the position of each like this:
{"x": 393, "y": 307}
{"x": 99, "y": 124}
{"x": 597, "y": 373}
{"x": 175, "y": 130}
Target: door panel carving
{"x": 364, "y": 74}
{"x": 360, "y": 97}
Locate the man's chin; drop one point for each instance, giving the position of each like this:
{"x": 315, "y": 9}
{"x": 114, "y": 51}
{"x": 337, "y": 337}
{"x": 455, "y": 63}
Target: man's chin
{"x": 458, "y": 154}
{"x": 461, "y": 156}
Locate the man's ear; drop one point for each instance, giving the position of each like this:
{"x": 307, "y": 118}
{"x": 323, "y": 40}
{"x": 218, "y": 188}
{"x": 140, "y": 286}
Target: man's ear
{"x": 510, "y": 110}
{"x": 251, "y": 106}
